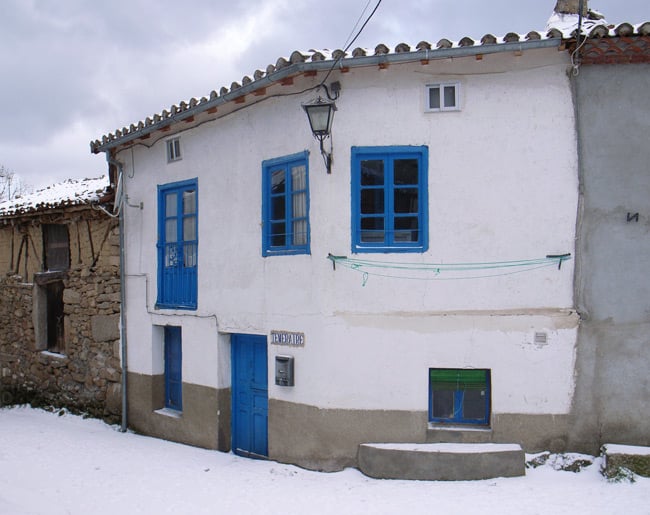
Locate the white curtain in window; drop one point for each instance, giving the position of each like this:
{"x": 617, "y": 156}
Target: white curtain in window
{"x": 299, "y": 204}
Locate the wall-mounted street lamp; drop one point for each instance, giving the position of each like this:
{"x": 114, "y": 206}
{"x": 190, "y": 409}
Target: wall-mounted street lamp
{"x": 321, "y": 113}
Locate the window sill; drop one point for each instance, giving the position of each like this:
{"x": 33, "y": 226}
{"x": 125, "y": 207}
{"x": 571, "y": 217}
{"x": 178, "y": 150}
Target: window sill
{"x": 388, "y": 250}
{"x": 286, "y": 252}
{"x": 168, "y": 412}
{"x": 175, "y": 307}
{"x": 55, "y": 355}
{"x": 435, "y": 426}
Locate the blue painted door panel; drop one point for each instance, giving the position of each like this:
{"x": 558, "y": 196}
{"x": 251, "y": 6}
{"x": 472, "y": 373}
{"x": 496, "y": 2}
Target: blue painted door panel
{"x": 249, "y": 395}
{"x": 173, "y": 367}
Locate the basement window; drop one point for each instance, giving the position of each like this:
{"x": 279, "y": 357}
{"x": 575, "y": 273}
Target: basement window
{"x": 173, "y": 150}
{"x": 443, "y": 97}
{"x": 459, "y": 396}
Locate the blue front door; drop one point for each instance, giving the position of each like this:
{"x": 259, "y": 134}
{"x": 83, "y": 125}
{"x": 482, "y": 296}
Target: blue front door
{"x": 250, "y": 398}
{"x": 173, "y": 368}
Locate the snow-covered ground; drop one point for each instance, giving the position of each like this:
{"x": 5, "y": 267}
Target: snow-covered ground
{"x": 51, "y": 464}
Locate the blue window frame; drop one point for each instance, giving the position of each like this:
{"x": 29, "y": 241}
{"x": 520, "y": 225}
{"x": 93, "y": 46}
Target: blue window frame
{"x": 173, "y": 368}
{"x": 459, "y": 396}
{"x": 390, "y": 199}
{"x": 178, "y": 244}
{"x": 285, "y": 205}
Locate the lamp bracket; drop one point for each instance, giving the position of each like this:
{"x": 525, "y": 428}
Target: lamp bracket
{"x": 335, "y": 87}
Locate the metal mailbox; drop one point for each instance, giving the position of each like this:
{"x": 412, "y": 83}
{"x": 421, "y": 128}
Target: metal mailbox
{"x": 284, "y": 371}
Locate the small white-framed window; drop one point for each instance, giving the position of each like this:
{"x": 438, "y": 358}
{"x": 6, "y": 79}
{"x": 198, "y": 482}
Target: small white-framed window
{"x": 444, "y": 96}
{"x": 173, "y": 150}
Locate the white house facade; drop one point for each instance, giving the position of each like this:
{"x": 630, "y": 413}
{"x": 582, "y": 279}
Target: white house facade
{"x": 420, "y": 292}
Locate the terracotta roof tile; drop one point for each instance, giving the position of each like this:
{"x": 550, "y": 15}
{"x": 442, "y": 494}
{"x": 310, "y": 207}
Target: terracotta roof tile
{"x": 561, "y": 26}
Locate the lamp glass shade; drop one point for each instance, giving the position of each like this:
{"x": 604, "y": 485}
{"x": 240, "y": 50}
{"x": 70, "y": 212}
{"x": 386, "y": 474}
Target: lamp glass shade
{"x": 320, "y": 116}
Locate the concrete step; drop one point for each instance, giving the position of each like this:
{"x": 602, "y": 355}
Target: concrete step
{"x": 634, "y": 458}
{"x": 441, "y": 461}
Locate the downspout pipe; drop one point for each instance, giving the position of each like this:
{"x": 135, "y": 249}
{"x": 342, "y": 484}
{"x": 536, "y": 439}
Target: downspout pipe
{"x": 123, "y": 347}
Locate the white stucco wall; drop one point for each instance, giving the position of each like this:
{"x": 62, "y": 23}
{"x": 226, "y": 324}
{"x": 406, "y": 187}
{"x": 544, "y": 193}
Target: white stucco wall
{"x": 502, "y": 186}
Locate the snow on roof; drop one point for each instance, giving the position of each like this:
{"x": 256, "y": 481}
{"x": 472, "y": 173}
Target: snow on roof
{"x": 72, "y": 192}
{"x": 567, "y": 24}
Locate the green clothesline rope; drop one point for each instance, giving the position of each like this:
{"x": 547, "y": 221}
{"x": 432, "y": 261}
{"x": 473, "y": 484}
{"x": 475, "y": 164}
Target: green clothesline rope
{"x": 445, "y": 271}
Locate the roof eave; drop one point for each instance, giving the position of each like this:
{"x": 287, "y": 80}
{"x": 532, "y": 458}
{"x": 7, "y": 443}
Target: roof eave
{"x": 143, "y": 131}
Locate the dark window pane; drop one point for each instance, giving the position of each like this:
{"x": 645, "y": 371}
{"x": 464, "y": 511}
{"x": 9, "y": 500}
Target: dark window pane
{"x": 474, "y": 404}
{"x": 406, "y": 172}
{"x": 372, "y": 172}
{"x": 372, "y": 201}
{"x": 406, "y": 229}
{"x": 442, "y": 404}
{"x": 278, "y": 182}
{"x": 278, "y": 234}
{"x": 434, "y": 98}
{"x": 57, "y": 246}
{"x": 372, "y": 230}
{"x": 406, "y": 200}
{"x": 55, "y": 316}
{"x": 278, "y": 208}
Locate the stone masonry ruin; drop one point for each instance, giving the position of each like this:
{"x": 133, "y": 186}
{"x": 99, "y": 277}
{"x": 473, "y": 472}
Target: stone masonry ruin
{"x": 60, "y": 309}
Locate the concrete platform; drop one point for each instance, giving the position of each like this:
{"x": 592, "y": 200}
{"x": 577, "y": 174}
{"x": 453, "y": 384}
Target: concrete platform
{"x": 441, "y": 461}
{"x": 634, "y": 458}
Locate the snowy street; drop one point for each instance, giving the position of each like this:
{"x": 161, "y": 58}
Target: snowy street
{"x": 51, "y": 464}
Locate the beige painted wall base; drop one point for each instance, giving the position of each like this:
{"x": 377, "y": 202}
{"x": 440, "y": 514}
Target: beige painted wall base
{"x": 204, "y": 422}
{"x": 328, "y": 439}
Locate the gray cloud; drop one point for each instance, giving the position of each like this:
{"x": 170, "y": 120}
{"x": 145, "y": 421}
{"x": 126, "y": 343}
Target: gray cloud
{"x": 72, "y": 71}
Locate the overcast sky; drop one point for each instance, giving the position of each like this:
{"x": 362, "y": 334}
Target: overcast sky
{"x": 74, "y": 70}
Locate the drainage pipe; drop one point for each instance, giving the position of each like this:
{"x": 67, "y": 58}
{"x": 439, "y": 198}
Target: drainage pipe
{"x": 119, "y": 200}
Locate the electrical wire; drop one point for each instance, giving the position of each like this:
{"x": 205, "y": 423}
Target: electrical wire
{"x": 357, "y": 23}
{"x": 347, "y": 47}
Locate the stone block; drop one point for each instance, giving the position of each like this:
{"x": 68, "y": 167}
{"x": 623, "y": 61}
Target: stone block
{"x": 71, "y": 296}
{"x": 108, "y": 297}
{"x": 114, "y": 398}
{"x": 441, "y": 462}
{"x": 636, "y": 459}
{"x": 105, "y": 327}
{"x": 110, "y": 374}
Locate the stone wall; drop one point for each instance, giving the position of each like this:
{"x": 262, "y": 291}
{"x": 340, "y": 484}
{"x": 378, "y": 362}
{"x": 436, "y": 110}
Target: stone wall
{"x": 85, "y": 375}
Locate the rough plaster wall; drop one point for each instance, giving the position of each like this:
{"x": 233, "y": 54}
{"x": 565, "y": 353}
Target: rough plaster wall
{"x": 498, "y": 168}
{"x": 86, "y": 376}
{"x": 612, "y": 291}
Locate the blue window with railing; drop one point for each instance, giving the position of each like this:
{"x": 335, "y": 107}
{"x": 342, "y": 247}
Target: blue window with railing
{"x": 459, "y": 396}
{"x": 178, "y": 245}
{"x": 285, "y": 205}
{"x": 390, "y": 199}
